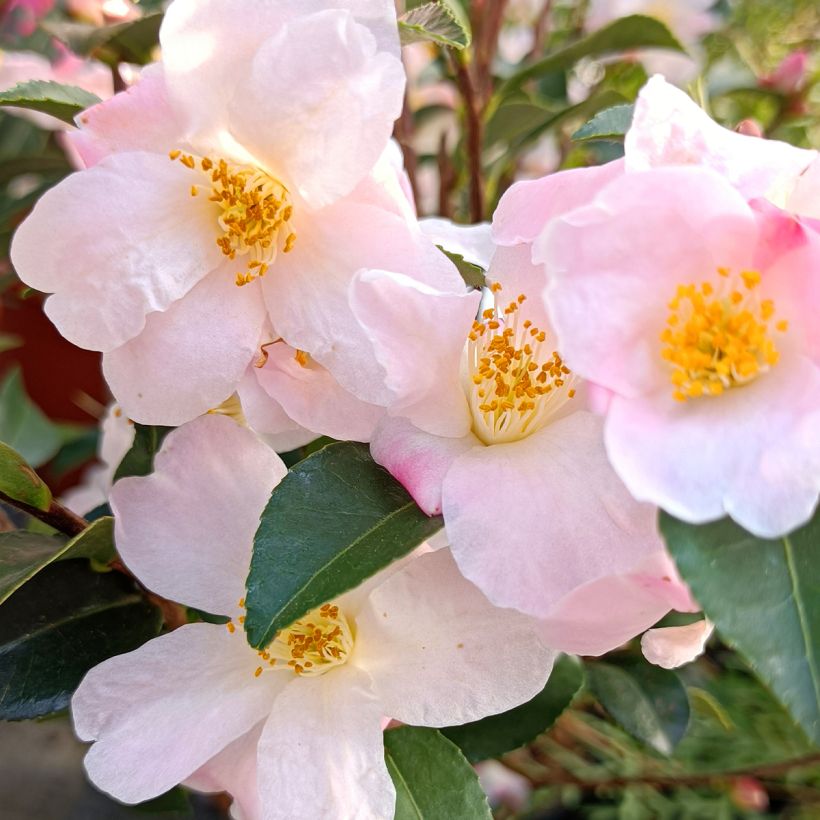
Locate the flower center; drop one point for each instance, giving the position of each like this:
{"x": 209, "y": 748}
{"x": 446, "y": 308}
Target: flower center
{"x": 254, "y": 212}
{"x": 310, "y": 646}
{"x": 718, "y": 335}
{"x": 514, "y": 384}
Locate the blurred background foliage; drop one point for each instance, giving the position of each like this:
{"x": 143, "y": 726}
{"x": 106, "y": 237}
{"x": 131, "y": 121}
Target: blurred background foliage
{"x": 637, "y": 742}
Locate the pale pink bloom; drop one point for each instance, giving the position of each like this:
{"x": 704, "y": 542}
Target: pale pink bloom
{"x": 288, "y": 736}
{"x": 103, "y": 12}
{"x": 674, "y": 646}
{"x": 290, "y": 105}
{"x": 22, "y": 66}
{"x": 534, "y": 514}
{"x": 669, "y": 128}
{"x": 699, "y": 315}
{"x": 688, "y": 20}
{"x": 790, "y": 75}
{"x": 116, "y": 438}
{"x": 503, "y": 786}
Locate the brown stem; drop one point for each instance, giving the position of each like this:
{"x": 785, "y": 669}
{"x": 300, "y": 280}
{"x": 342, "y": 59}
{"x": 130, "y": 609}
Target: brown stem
{"x": 541, "y": 30}
{"x": 119, "y": 83}
{"x": 446, "y": 179}
{"x": 403, "y": 132}
{"x": 56, "y": 516}
{"x": 474, "y": 135}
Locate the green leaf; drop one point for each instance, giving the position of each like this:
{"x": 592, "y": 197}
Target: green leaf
{"x": 648, "y": 702}
{"x": 22, "y": 555}
{"x": 497, "y": 734}
{"x": 62, "y": 623}
{"x": 611, "y": 124}
{"x": 23, "y": 425}
{"x": 95, "y": 542}
{"x": 131, "y": 42}
{"x": 764, "y": 597}
{"x": 47, "y": 97}
{"x": 139, "y": 460}
{"x": 334, "y": 520}
{"x": 432, "y": 778}
{"x": 19, "y": 482}
{"x": 473, "y": 275}
{"x": 624, "y": 34}
{"x": 433, "y": 22}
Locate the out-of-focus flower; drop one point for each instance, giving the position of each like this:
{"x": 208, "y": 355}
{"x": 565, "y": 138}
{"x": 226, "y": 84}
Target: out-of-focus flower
{"x": 674, "y": 646}
{"x": 416, "y": 643}
{"x": 103, "y": 12}
{"x": 233, "y": 224}
{"x": 791, "y": 75}
{"x": 698, "y": 313}
{"x": 22, "y": 16}
{"x": 503, "y": 786}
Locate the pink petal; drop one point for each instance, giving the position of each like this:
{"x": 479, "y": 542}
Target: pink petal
{"x": 674, "y": 646}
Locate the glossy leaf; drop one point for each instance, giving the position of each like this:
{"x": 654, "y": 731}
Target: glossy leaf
{"x": 58, "y": 626}
{"x": 22, "y": 555}
{"x": 764, "y": 597}
{"x": 497, "y": 734}
{"x": 19, "y": 482}
{"x": 61, "y": 101}
{"x": 624, "y": 34}
{"x": 95, "y": 542}
{"x": 611, "y": 124}
{"x": 433, "y": 779}
{"x": 648, "y": 702}
{"x": 432, "y": 22}
{"x": 23, "y": 425}
{"x": 139, "y": 460}
{"x": 334, "y": 520}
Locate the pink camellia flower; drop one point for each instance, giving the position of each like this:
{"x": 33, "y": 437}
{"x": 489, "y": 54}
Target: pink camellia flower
{"x": 235, "y": 186}
{"x": 294, "y": 730}
{"x": 699, "y": 314}
{"x": 791, "y": 74}
{"x": 488, "y": 425}
{"x": 674, "y": 646}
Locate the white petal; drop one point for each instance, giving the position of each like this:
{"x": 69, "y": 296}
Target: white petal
{"x": 674, "y": 646}
{"x": 473, "y": 242}
{"x": 187, "y": 529}
{"x": 439, "y": 653}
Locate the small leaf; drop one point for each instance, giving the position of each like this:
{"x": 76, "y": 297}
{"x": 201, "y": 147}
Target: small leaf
{"x": 473, "y": 275}
{"x": 62, "y": 623}
{"x": 495, "y": 735}
{"x": 139, "y": 460}
{"x": 23, "y": 425}
{"x": 624, "y": 34}
{"x": 19, "y": 482}
{"x": 611, "y": 124}
{"x": 334, "y": 520}
{"x": 764, "y": 597}
{"x": 22, "y": 555}
{"x": 61, "y": 101}
{"x": 131, "y": 42}
{"x": 432, "y": 22}
{"x": 648, "y": 702}
{"x": 433, "y": 779}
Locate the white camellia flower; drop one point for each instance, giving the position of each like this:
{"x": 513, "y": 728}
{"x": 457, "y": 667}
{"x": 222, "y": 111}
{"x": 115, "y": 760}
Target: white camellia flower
{"x": 294, "y": 730}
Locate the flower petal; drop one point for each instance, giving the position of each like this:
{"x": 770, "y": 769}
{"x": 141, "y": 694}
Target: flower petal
{"x": 440, "y": 654}
{"x": 139, "y": 242}
{"x": 321, "y": 753}
{"x": 531, "y": 521}
{"x": 473, "y": 242}
{"x": 674, "y": 646}
{"x": 187, "y": 529}
{"x": 418, "y": 460}
{"x": 159, "y": 713}
{"x": 191, "y": 357}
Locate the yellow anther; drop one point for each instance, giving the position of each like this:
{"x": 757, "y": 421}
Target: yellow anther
{"x": 302, "y": 358}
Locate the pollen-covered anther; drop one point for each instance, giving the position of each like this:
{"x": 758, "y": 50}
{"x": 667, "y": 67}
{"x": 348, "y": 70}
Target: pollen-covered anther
{"x": 254, "y": 213}
{"x": 513, "y": 384}
{"x": 718, "y": 335}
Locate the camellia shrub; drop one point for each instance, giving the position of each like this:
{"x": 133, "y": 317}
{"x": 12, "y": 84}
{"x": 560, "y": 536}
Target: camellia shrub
{"x": 459, "y": 452}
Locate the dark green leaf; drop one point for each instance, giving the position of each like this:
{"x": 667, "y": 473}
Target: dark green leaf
{"x": 433, "y": 779}
{"x": 433, "y": 22}
{"x": 58, "y": 626}
{"x": 22, "y": 555}
{"x": 473, "y": 275}
{"x": 19, "y": 482}
{"x": 624, "y": 34}
{"x": 293, "y": 457}
{"x": 95, "y": 541}
{"x": 647, "y": 701}
{"x": 23, "y": 425}
{"x": 764, "y": 597}
{"x": 497, "y": 734}
{"x": 176, "y": 800}
{"x": 61, "y": 101}
{"x": 334, "y": 520}
{"x": 611, "y": 124}
{"x": 139, "y": 460}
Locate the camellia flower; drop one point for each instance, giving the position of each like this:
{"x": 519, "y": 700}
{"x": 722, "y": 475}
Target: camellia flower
{"x": 234, "y": 185}
{"x": 294, "y": 729}
{"x": 488, "y": 425}
{"x": 700, "y": 317}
